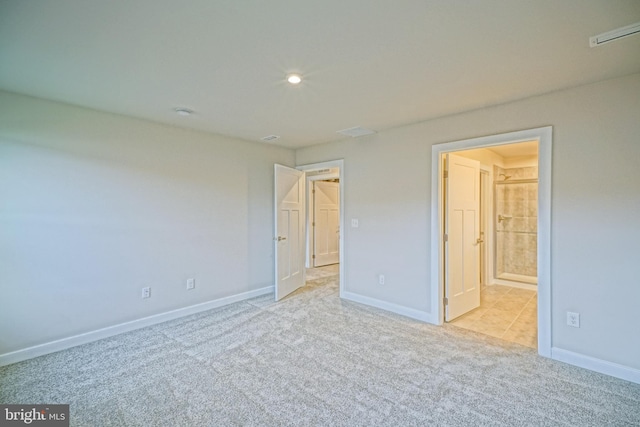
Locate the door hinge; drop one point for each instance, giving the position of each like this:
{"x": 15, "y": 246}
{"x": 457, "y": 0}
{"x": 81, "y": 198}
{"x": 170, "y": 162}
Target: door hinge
{"x": 313, "y": 224}
{"x": 445, "y": 174}
{"x": 446, "y": 301}
{"x": 445, "y": 237}
{"x": 313, "y": 257}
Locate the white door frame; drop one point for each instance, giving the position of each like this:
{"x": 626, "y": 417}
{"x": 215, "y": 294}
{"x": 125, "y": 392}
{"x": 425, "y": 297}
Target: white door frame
{"x": 544, "y": 137}
{"x": 328, "y": 165}
{"x": 485, "y": 266}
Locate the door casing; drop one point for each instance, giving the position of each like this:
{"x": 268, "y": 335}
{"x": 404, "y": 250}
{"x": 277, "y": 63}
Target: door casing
{"x": 544, "y": 137}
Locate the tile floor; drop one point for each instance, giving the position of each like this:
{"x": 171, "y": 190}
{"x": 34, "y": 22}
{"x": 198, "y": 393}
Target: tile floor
{"x": 505, "y": 312}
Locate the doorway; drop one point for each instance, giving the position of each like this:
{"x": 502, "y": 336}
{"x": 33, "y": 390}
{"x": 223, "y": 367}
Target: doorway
{"x": 324, "y": 220}
{"x": 507, "y": 298}
{"x": 543, "y": 137}
{"x": 291, "y": 255}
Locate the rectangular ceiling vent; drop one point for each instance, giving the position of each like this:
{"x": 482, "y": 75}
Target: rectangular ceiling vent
{"x": 269, "y": 138}
{"x": 356, "y": 131}
{"x": 613, "y": 35}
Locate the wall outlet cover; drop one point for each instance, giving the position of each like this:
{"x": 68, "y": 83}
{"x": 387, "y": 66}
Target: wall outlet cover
{"x": 573, "y": 319}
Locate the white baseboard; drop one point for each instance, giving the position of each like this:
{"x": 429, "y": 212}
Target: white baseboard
{"x": 597, "y": 365}
{"x": 65, "y": 343}
{"x": 394, "y": 308}
{"x": 511, "y": 284}
{"x": 576, "y": 359}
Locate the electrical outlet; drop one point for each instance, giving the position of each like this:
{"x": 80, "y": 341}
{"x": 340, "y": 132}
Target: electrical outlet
{"x": 573, "y": 319}
{"x": 146, "y": 292}
{"x": 355, "y": 223}
{"x": 381, "y": 279}
{"x": 191, "y": 283}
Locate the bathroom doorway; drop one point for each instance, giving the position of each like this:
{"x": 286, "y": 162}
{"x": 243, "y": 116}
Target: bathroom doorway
{"x": 530, "y": 304}
{"x": 507, "y": 191}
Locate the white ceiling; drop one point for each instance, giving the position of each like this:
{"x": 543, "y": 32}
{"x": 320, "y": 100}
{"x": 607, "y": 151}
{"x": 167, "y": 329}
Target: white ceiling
{"x": 520, "y": 149}
{"x": 371, "y": 63}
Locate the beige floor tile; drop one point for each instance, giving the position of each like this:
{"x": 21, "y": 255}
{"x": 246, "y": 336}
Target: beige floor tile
{"x": 506, "y": 313}
{"x": 529, "y": 317}
{"x": 463, "y": 322}
{"x": 522, "y": 292}
{"x": 521, "y": 338}
{"x": 483, "y": 328}
{"x": 523, "y": 326}
{"x": 475, "y": 314}
{"x": 495, "y": 314}
{"x": 509, "y": 305}
{"x": 495, "y": 290}
{"x": 521, "y": 302}
{"x": 489, "y": 300}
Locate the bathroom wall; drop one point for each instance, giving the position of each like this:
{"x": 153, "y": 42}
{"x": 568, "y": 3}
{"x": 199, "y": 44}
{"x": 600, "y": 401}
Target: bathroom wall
{"x": 516, "y": 237}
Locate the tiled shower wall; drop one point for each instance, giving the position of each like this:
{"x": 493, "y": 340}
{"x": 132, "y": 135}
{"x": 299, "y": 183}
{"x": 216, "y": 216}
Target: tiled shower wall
{"x": 517, "y": 237}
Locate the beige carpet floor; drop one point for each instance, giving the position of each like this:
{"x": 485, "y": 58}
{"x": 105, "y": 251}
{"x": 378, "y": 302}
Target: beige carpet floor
{"x": 313, "y": 359}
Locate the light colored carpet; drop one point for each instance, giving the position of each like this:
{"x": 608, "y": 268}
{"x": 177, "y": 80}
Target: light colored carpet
{"x": 313, "y": 359}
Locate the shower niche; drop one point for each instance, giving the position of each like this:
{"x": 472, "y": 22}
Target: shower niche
{"x": 516, "y": 224}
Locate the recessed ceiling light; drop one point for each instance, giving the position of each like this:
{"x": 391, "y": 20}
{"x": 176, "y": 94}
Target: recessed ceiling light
{"x": 183, "y": 111}
{"x": 294, "y": 79}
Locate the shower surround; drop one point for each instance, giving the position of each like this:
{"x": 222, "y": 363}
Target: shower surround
{"x": 516, "y": 223}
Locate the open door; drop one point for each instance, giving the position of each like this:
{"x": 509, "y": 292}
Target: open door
{"x": 289, "y": 230}
{"x": 462, "y": 236}
{"x": 326, "y": 223}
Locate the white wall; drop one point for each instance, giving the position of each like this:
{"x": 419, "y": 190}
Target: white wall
{"x": 486, "y": 157}
{"x": 94, "y": 206}
{"x": 595, "y": 203}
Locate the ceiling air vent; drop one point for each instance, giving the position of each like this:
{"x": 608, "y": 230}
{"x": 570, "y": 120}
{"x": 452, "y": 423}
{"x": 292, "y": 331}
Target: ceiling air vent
{"x": 356, "y": 131}
{"x": 613, "y": 35}
{"x": 269, "y": 138}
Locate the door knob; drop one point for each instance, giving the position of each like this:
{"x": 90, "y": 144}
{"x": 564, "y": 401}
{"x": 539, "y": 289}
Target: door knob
{"x": 478, "y": 241}
{"x": 281, "y": 238}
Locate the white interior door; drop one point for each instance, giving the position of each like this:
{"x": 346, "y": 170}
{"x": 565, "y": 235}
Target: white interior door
{"x": 462, "y": 229}
{"x": 289, "y": 230}
{"x": 326, "y": 223}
